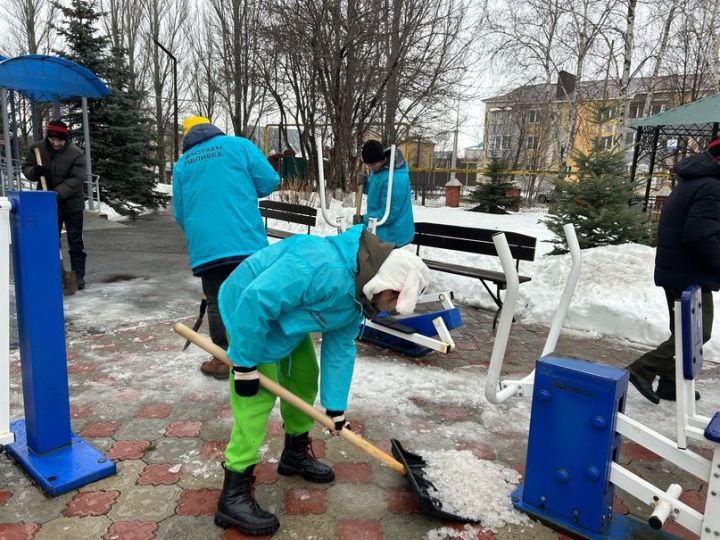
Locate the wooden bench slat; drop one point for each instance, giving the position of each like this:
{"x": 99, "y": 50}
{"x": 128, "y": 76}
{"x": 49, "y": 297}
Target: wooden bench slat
{"x": 472, "y": 240}
{"x": 289, "y": 207}
{"x": 302, "y": 219}
{"x": 292, "y": 213}
{"x": 469, "y": 271}
{"x": 277, "y": 233}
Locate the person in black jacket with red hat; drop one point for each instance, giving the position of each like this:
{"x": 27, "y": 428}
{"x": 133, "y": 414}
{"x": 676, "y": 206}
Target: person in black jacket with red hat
{"x": 63, "y": 166}
{"x": 688, "y": 253}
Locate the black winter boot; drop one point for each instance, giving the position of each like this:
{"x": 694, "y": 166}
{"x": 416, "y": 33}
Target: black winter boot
{"x": 297, "y": 458}
{"x": 238, "y": 508}
{"x": 666, "y": 390}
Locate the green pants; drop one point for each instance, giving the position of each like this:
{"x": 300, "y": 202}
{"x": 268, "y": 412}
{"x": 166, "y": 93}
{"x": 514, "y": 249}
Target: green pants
{"x": 299, "y": 374}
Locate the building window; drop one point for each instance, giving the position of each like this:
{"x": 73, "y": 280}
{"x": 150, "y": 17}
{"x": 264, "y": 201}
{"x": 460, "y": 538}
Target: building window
{"x": 657, "y": 108}
{"x": 501, "y": 142}
{"x": 603, "y": 143}
{"x": 607, "y": 114}
{"x": 533, "y": 116}
{"x": 531, "y": 142}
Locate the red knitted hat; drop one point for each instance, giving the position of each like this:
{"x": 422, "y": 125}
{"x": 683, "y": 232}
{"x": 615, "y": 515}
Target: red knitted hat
{"x": 57, "y": 129}
{"x": 714, "y": 148}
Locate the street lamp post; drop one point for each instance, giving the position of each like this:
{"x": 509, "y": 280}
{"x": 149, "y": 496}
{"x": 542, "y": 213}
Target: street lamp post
{"x": 175, "y": 100}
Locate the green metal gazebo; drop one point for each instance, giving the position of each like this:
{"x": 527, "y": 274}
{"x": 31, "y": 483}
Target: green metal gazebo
{"x": 697, "y": 121}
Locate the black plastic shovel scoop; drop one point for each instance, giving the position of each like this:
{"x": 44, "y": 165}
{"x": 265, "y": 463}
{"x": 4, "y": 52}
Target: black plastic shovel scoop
{"x": 415, "y": 467}
{"x": 407, "y": 463}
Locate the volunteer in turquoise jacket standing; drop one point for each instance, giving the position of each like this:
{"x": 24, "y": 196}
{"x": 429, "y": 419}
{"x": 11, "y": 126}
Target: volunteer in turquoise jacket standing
{"x": 216, "y": 185}
{"x": 400, "y": 225}
{"x": 270, "y": 304}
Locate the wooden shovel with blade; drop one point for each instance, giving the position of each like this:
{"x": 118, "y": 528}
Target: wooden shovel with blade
{"x": 406, "y": 464}
{"x": 69, "y": 279}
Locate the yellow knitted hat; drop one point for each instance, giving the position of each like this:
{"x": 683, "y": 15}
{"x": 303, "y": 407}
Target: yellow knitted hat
{"x": 193, "y": 121}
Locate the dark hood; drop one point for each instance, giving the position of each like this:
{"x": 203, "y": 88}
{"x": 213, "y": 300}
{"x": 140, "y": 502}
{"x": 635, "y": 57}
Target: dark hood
{"x": 372, "y": 252}
{"x": 200, "y": 133}
{"x": 698, "y": 166}
{"x": 399, "y": 159}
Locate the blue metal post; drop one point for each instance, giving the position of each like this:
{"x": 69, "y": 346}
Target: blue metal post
{"x": 40, "y": 319}
{"x": 45, "y": 447}
{"x": 571, "y": 447}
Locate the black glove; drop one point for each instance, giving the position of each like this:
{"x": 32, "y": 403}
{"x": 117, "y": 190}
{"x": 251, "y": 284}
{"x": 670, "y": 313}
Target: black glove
{"x": 361, "y": 179}
{"x": 338, "y": 417}
{"x": 38, "y": 171}
{"x": 247, "y": 381}
{"x": 357, "y": 219}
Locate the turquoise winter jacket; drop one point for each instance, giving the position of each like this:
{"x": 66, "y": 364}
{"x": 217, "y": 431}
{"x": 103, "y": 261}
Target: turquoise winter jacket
{"x": 400, "y": 225}
{"x": 216, "y": 185}
{"x": 299, "y": 285}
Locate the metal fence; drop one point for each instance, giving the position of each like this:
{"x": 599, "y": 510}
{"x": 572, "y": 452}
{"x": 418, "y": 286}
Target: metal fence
{"x": 17, "y": 182}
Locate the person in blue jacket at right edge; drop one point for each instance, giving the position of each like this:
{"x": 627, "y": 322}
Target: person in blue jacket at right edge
{"x": 400, "y": 225}
{"x": 270, "y": 304}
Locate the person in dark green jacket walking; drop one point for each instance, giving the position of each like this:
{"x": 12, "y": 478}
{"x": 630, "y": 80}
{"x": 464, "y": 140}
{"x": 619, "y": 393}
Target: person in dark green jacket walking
{"x": 63, "y": 166}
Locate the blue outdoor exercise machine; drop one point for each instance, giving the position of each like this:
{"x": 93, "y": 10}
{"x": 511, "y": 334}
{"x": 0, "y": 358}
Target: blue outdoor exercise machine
{"x": 577, "y": 423}
{"x": 44, "y": 445}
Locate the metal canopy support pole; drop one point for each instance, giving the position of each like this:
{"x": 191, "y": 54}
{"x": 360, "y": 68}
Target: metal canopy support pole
{"x": 36, "y": 121}
{"x": 636, "y": 154}
{"x": 8, "y": 147}
{"x": 14, "y": 129}
{"x": 651, "y": 167}
{"x": 56, "y": 108}
{"x": 88, "y": 160}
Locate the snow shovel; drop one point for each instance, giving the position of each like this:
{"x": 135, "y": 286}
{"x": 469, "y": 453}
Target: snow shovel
{"x": 409, "y": 464}
{"x": 69, "y": 279}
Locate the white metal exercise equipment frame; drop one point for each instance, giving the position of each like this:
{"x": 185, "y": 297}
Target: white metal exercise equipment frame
{"x": 6, "y": 436}
{"x": 666, "y": 503}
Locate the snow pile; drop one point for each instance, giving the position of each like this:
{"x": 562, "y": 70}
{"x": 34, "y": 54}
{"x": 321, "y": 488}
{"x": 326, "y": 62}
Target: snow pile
{"x": 472, "y": 488}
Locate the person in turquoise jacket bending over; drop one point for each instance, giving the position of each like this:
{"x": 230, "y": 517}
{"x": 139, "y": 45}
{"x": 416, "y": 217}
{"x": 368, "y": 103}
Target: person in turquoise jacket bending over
{"x": 270, "y": 304}
{"x": 216, "y": 185}
{"x": 400, "y": 225}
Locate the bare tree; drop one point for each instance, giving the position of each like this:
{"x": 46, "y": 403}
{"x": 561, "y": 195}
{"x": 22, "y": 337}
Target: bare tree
{"x": 166, "y": 22}
{"x": 659, "y": 56}
{"x": 629, "y": 48}
{"x": 31, "y": 25}
{"x": 524, "y": 34}
{"x": 237, "y": 27}
{"x": 123, "y": 23}
{"x": 588, "y": 20}
{"x": 202, "y": 72}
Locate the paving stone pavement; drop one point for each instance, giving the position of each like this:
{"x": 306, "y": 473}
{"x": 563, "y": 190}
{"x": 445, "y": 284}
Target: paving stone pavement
{"x": 135, "y": 396}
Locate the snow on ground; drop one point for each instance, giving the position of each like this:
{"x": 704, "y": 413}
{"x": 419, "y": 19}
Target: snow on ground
{"x": 615, "y": 297}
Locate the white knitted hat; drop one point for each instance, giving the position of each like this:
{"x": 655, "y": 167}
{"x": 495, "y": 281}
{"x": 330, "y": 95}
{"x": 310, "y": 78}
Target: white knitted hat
{"x": 404, "y": 272}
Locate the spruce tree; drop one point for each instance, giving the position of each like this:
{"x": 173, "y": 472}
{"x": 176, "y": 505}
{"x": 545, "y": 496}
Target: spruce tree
{"x": 126, "y": 167}
{"x": 598, "y": 203}
{"x": 491, "y": 196}
{"x": 119, "y": 130}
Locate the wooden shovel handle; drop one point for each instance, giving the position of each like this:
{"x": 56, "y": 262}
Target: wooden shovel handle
{"x": 292, "y": 399}
{"x": 38, "y": 160}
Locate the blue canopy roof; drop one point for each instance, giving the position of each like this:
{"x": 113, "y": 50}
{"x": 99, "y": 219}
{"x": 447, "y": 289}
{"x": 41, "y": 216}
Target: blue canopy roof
{"x": 46, "y": 78}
